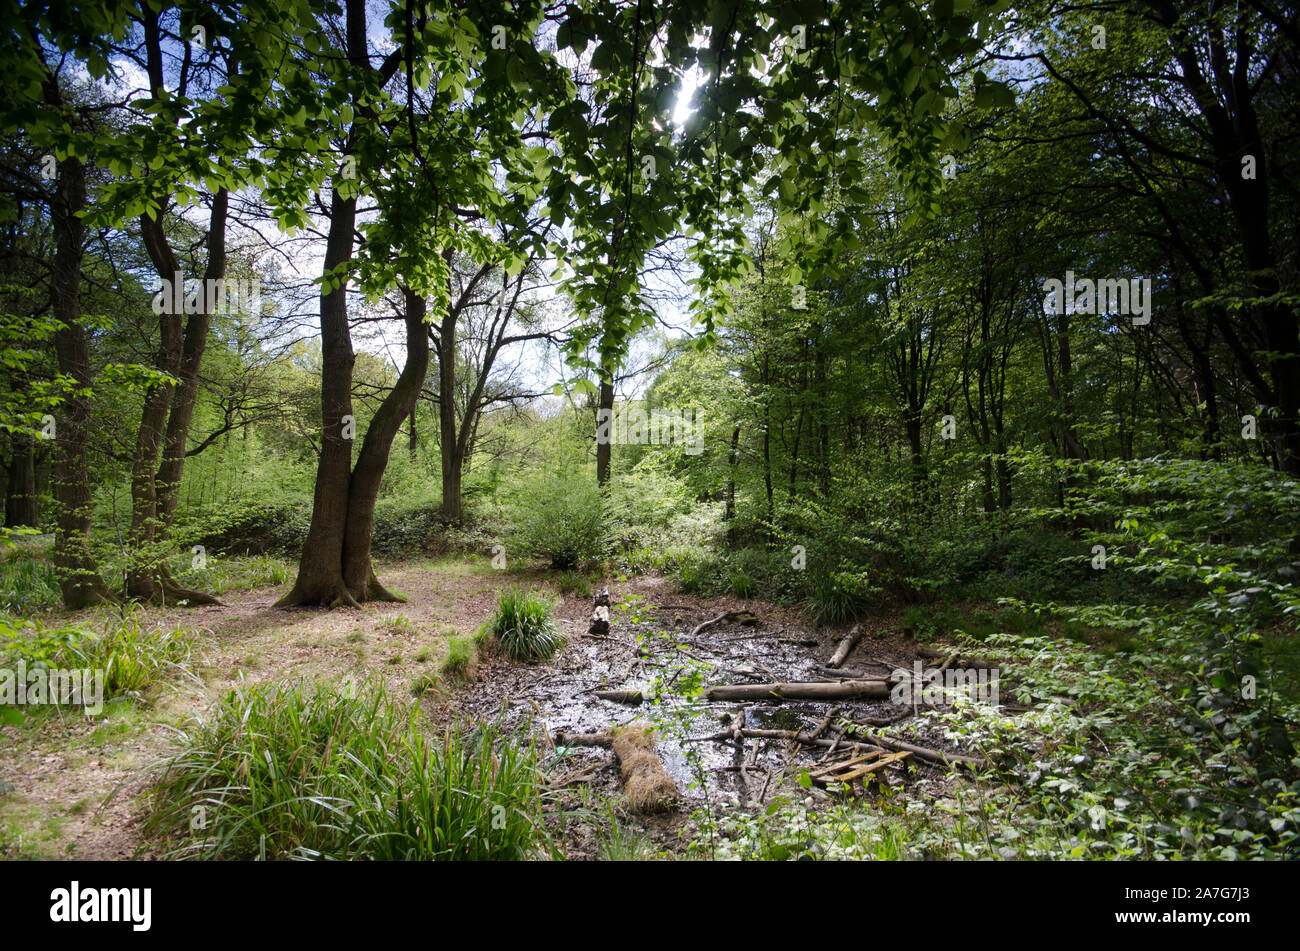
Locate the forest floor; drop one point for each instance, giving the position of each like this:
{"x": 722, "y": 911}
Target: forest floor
{"x": 76, "y": 787}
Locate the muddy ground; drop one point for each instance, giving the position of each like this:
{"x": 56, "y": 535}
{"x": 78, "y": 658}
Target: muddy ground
{"x": 74, "y": 787}
{"x": 650, "y": 649}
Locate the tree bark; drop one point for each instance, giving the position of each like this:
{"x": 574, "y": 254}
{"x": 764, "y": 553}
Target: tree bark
{"x": 79, "y": 579}
{"x": 183, "y": 400}
{"x": 449, "y": 432}
{"x": 320, "y": 571}
{"x": 358, "y": 576}
{"x": 604, "y": 450}
{"x": 21, "y": 509}
{"x": 335, "y": 567}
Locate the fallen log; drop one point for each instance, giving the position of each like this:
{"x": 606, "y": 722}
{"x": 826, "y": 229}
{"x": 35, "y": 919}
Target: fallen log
{"x": 875, "y": 689}
{"x": 853, "y": 673}
{"x": 646, "y": 784}
{"x": 976, "y": 662}
{"x": 846, "y": 646}
{"x": 583, "y": 739}
{"x": 630, "y": 697}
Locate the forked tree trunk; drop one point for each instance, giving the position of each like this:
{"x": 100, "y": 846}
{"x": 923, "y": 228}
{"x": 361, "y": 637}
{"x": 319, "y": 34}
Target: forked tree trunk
{"x": 184, "y": 399}
{"x": 79, "y": 580}
{"x": 159, "y": 459}
{"x": 165, "y": 419}
{"x": 335, "y": 568}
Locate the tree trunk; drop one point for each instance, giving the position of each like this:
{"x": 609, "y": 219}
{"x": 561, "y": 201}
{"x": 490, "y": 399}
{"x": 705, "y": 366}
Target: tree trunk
{"x": 604, "y": 450}
{"x": 449, "y": 434}
{"x": 320, "y": 571}
{"x": 369, "y": 471}
{"x": 79, "y": 580}
{"x": 20, "y": 502}
{"x": 729, "y": 514}
{"x": 186, "y": 395}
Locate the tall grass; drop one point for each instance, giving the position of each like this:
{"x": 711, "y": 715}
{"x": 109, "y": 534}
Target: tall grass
{"x": 523, "y": 626}
{"x": 281, "y": 771}
{"x": 28, "y": 584}
{"x": 131, "y": 656}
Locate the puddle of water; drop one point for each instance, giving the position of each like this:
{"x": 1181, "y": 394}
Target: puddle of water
{"x": 557, "y": 695}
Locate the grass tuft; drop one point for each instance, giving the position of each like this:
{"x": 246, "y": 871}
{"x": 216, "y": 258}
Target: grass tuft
{"x": 523, "y": 626}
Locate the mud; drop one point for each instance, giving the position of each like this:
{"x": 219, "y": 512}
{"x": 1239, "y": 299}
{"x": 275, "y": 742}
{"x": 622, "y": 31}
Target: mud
{"x": 650, "y": 649}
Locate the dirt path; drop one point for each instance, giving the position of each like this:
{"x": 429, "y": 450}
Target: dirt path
{"x": 72, "y": 785}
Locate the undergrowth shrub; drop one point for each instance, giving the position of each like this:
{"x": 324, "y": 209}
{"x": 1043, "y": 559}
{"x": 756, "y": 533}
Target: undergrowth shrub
{"x": 131, "y": 656}
{"x": 556, "y": 516}
{"x": 28, "y": 583}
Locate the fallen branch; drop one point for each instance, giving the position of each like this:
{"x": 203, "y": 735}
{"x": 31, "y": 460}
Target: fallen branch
{"x": 855, "y": 768}
{"x": 728, "y": 735}
{"x": 746, "y": 618}
{"x": 876, "y": 689}
{"x": 846, "y": 646}
{"x": 976, "y": 662}
{"x": 630, "y": 697}
{"x": 882, "y": 721}
{"x": 852, "y": 673}
{"x": 821, "y": 727}
{"x": 934, "y": 756}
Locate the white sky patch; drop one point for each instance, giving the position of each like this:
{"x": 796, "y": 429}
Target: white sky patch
{"x": 682, "y": 111}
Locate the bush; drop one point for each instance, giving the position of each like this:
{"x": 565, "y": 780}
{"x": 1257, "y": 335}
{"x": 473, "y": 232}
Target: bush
{"x": 408, "y": 529}
{"x": 250, "y": 528}
{"x": 558, "y": 518}
{"x": 523, "y": 626}
{"x": 285, "y": 772}
{"x": 572, "y": 582}
{"x": 131, "y": 657}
